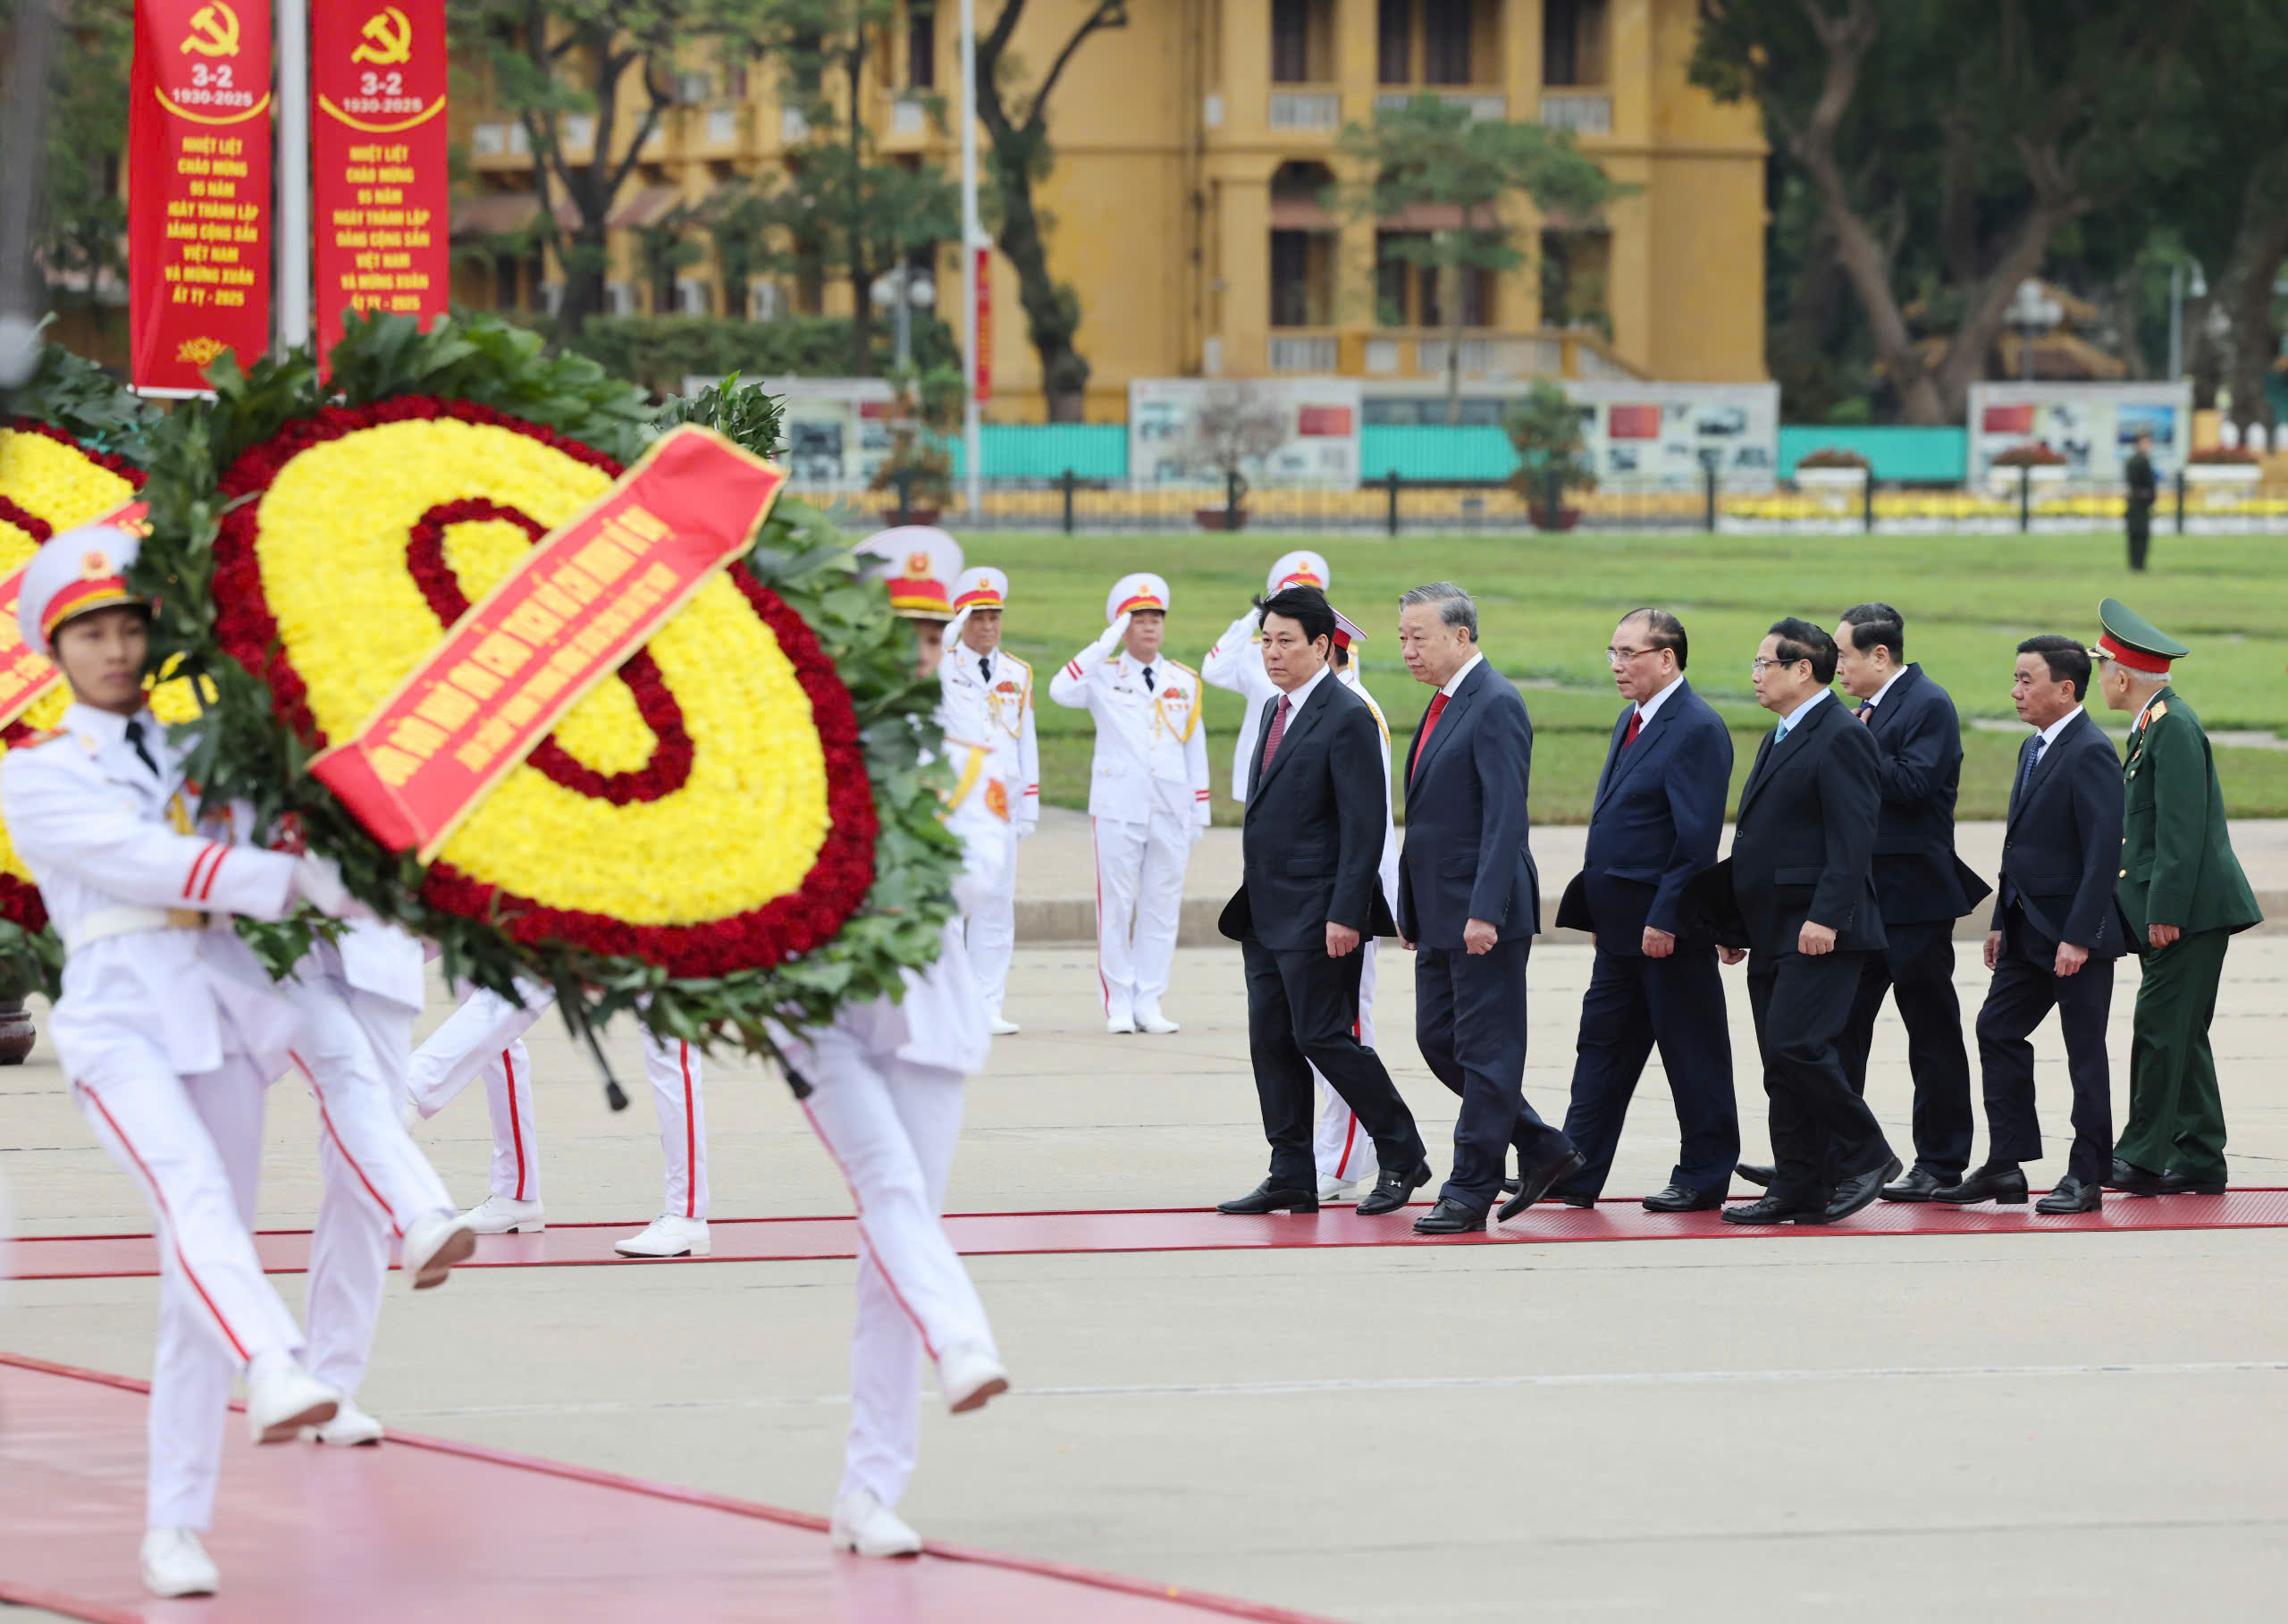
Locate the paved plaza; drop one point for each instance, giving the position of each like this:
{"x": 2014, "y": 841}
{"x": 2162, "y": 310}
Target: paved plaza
{"x": 1778, "y": 1427}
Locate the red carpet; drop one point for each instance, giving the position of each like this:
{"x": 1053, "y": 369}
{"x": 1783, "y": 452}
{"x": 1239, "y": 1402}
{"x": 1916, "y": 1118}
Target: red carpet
{"x": 421, "y": 1529}
{"x": 1195, "y": 1229}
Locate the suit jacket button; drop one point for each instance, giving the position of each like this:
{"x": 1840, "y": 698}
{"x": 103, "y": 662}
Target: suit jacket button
{"x": 2124, "y": 873}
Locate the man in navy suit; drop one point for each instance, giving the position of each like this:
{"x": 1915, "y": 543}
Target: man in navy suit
{"x": 1658, "y": 816}
{"x": 1469, "y": 905}
{"x": 2058, "y": 930}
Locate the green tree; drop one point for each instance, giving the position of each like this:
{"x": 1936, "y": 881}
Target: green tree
{"x": 1950, "y": 143}
{"x": 1431, "y": 151}
{"x": 1018, "y": 159}
{"x": 613, "y": 62}
{"x": 843, "y": 210}
{"x": 79, "y": 233}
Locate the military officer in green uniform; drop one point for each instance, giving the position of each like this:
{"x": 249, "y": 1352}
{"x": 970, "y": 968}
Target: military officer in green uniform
{"x": 2185, "y": 895}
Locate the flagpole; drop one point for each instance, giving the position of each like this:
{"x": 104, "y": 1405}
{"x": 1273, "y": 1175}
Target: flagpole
{"x": 293, "y": 173}
{"x": 972, "y": 237}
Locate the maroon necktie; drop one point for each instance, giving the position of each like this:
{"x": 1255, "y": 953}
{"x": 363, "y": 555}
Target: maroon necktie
{"x": 1636, "y": 727}
{"x": 1278, "y": 732}
{"x": 1429, "y": 726}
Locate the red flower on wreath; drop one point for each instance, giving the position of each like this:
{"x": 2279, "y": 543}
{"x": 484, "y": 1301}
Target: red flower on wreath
{"x": 802, "y": 919}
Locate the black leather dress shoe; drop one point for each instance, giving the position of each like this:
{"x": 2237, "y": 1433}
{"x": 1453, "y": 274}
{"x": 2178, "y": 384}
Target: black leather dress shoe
{"x": 1268, "y": 1197}
{"x": 1392, "y": 1189}
{"x": 2072, "y": 1195}
{"x": 1450, "y": 1217}
{"x": 1920, "y": 1184}
{"x": 2004, "y": 1182}
{"x": 1772, "y": 1210}
{"x": 1759, "y": 1173}
{"x": 1572, "y": 1197}
{"x": 1680, "y": 1197}
{"x": 1855, "y": 1193}
{"x": 2132, "y": 1181}
{"x": 1508, "y": 1187}
{"x": 2176, "y": 1183}
{"x": 1534, "y": 1183}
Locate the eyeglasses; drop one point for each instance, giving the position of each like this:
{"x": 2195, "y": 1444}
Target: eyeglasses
{"x": 1758, "y": 665}
{"x": 1618, "y": 657}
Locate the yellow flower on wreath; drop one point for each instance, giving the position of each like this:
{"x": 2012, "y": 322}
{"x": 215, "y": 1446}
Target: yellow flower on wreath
{"x": 333, "y": 529}
{"x": 51, "y": 481}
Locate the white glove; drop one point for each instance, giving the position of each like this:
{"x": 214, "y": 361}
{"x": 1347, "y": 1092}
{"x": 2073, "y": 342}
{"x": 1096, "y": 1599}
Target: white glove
{"x": 1114, "y": 634}
{"x": 953, "y": 627}
{"x": 317, "y": 880}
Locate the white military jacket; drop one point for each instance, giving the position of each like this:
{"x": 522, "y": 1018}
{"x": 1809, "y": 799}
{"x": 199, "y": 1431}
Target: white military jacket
{"x": 1349, "y": 677}
{"x": 143, "y": 903}
{"x": 999, "y": 712}
{"x": 1235, "y": 665}
{"x": 1151, "y": 741}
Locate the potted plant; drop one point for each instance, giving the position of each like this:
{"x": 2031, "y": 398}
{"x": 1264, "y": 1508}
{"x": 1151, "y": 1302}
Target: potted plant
{"x": 1832, "y": 468}
{"x": 918, "y": 469}
{"x": 2030, "y": 461}
{"x": 1544, "y": 429}
{"x": 2223, "y": 465}
{"x": 1234, "y": 426}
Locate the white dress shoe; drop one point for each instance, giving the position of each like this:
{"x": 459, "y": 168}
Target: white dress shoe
{"x": 1004, "y": 1028}
{"x": 174, "y": 1563}
{"x": 433, "y": 1242}
{"x": 1337, "y": 1189}
{"x": 864, "y": 1524}
{"x": 350, "y": 1427}
{"x": 1120, "y": 1023}
{"x": 505, "y": 1216}
{"x": 968, "y": 1374}
{"x": 667, "y": 1236}
{"x": 282, "y": 1398}
{"x": 1157, "y": 1024}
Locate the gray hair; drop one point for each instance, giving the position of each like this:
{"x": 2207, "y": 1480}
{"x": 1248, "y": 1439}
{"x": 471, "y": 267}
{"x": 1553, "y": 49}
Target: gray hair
{"x": 1455, "y": 606}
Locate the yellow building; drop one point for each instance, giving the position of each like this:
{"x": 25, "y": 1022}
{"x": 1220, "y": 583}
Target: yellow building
{"x": 1193, "y": 147}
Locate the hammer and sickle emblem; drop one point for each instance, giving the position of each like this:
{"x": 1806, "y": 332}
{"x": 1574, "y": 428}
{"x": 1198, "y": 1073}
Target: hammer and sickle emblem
{"x": 391, "y": 35}
{"x": 214, "y": 31}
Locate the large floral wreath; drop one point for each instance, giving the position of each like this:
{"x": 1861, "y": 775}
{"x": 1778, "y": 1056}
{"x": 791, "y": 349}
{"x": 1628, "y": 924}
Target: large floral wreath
{"x": 719, "y": 827}
{"x": 70, "y": 439}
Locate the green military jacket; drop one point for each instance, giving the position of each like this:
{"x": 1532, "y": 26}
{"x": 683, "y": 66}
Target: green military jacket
{"x": 2177, "y": 866}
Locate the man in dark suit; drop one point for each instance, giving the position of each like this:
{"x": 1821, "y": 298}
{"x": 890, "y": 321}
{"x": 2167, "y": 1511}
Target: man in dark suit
{"x": 1469, "y": 905}
{"x": 2057, "y": 932}
{"x": 1310, "y": 894}
{"x": 1656, "y": 821}
{"x": 1801, "y": 879}
{"x": 1923, "y": 886}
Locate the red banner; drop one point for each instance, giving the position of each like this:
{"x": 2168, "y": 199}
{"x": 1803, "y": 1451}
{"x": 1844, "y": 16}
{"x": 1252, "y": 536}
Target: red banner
{"x": 591, "y": 593}
{"x": 199, "y": 189}
{"x": 25, "y": 673}
{"x": 377, "y": 161}
{"x": 984, "y": 319}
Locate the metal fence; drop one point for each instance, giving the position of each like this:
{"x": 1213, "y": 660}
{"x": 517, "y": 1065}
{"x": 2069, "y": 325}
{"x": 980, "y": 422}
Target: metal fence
{"x": 2022, "y": 502}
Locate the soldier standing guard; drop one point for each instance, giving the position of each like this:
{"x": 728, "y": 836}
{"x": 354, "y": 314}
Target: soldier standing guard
{"x": 170, "y": 1030}
{"x": 2137, "y": 508}
{"x": 989, "y": 696}
{"x": 1235, "y": 663}
{"x": 1147, "y": 795}
{"x": 2185, "y": 896}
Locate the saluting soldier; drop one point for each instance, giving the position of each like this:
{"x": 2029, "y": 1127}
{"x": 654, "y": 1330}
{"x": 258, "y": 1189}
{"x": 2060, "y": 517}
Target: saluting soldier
{"x": 1148, "y": 795}
{"x": 1235, "y": 662}
{"x": 2185, "y": 896}
{"x": 989, "y": 696}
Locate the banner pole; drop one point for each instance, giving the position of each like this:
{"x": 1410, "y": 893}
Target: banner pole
{"x": 293, "y": 173}
{"x": 972, "y": 239}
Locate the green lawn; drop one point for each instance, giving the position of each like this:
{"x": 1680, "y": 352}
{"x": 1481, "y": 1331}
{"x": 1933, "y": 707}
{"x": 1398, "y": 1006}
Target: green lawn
{"x": 1547, "y": 606}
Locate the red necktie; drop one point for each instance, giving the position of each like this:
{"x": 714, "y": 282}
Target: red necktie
{"x": 1429, "y": 726}
{"x": 1636, "y": 727}
{"x": 1278, "y": 731}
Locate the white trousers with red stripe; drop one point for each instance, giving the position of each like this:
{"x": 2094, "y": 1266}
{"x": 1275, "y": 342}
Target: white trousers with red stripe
{"x": 195, "y": 1146}
{"x": 354, "y": 1053}
{"x": 1139, "y": 902}
{"x": 991, "y": 930}
{"x": 485, "y": 1035}
{"x": 1342, "y": 1148}
{"x": 890, "y": 1125}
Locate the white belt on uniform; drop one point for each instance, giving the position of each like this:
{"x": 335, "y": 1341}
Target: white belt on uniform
{"x": 129, "y": 918}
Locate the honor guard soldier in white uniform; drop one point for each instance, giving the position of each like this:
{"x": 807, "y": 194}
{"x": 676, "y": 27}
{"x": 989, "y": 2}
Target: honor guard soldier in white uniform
{"x": 485, "y": 1035}
{"x": 882, "y": 1087}
{"x": 989, "y": 696}
{"x": 1147, "y": 795}
{"x": 1235, "y": 664}
{"x": 170, "y": 1031}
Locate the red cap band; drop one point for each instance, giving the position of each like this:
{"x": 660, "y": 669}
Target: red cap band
{"x": 2136, "y": 660}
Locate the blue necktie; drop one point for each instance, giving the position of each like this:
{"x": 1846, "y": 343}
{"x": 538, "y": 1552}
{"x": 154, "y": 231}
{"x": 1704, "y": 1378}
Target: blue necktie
{"x": 2034, "y": 757}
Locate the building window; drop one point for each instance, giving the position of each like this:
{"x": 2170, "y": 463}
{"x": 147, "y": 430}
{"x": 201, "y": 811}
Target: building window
{"x": 1573, "y": 42}
{"x": 921, "y": 44}
{"x": 1445, "y": 42}
{"x": 1302, "y": 279}
{"x": 1411, "y": 295}
{"x": 1573, "y": 269}
{"x": 1302, "y": 41}
{"x": 1394, "y": 42}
